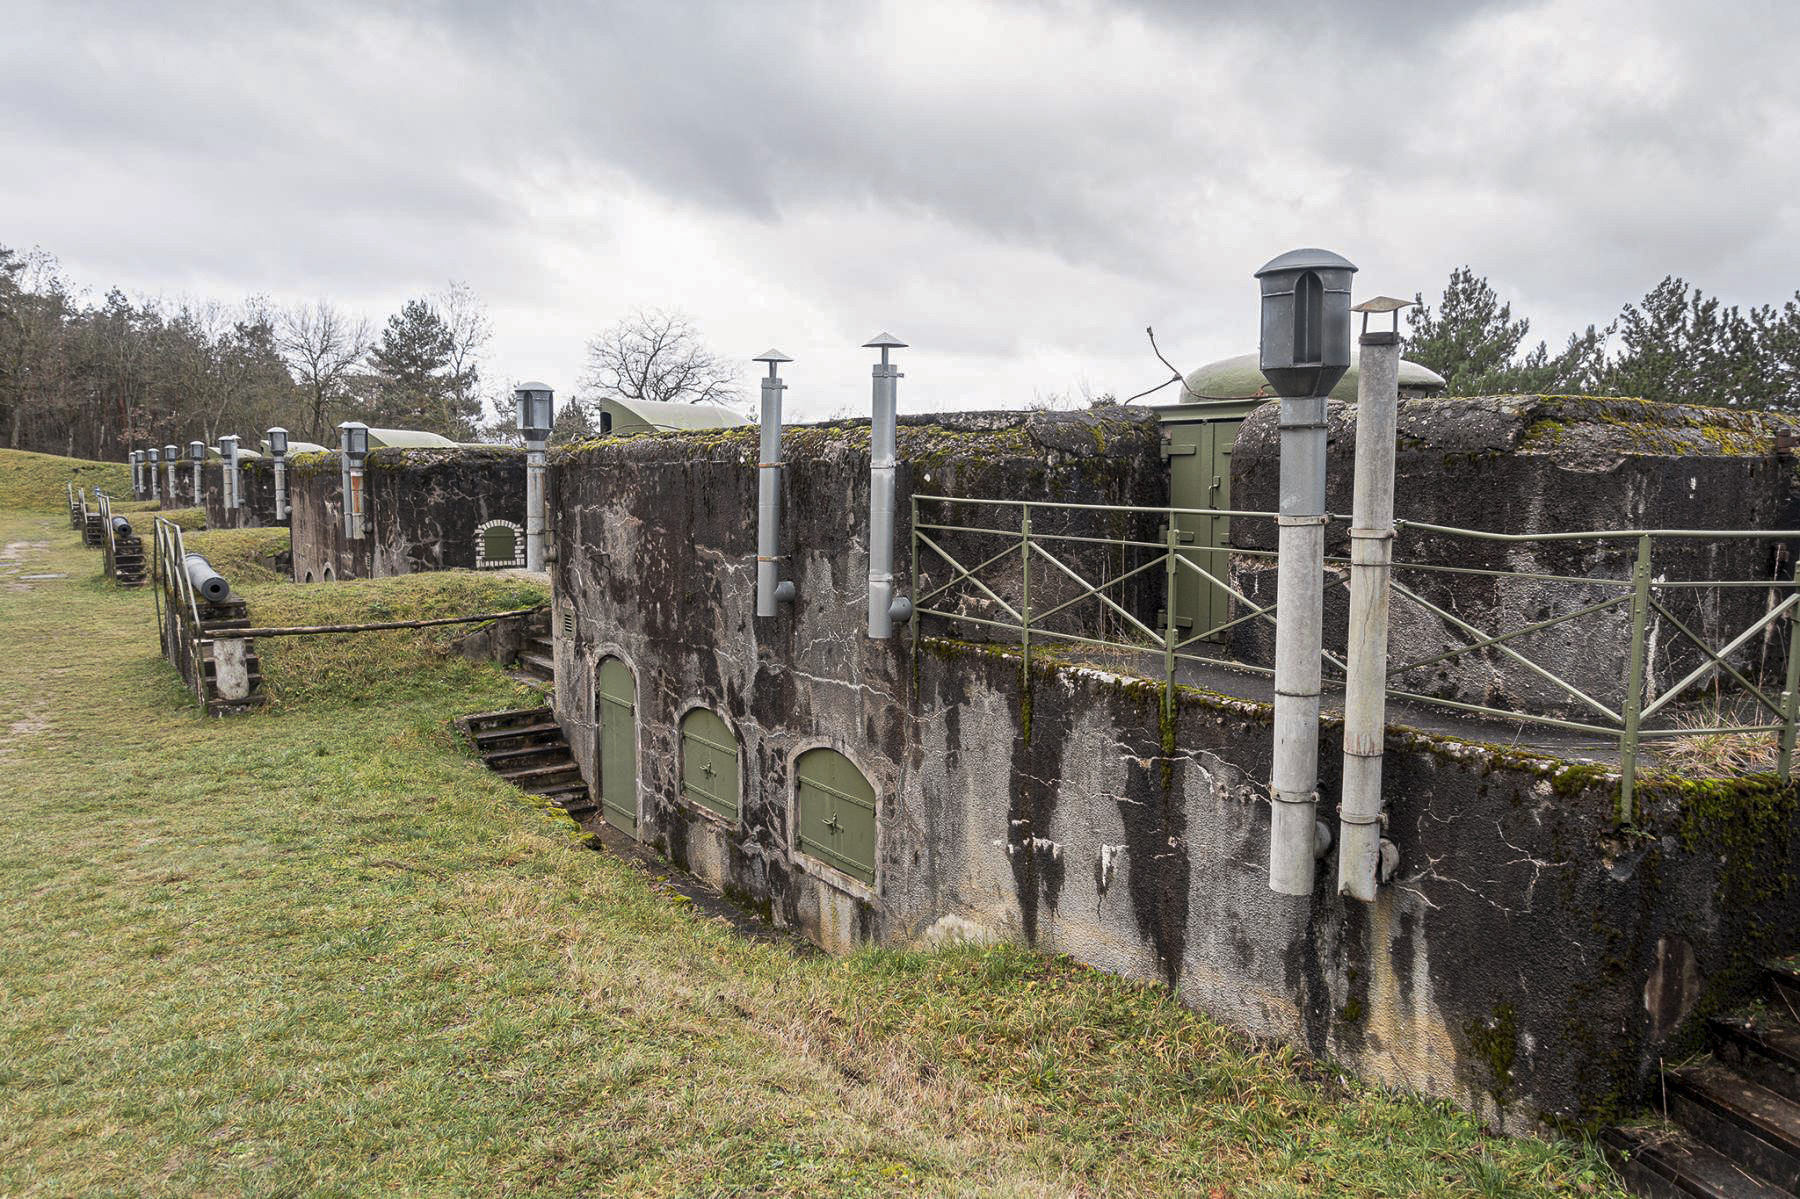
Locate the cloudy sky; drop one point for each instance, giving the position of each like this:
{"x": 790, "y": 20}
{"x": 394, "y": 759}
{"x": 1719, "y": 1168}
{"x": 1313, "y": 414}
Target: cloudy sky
{"x": 1016, "y": 189}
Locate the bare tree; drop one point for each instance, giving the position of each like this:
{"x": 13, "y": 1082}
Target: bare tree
{"x": 323, "y": 345}
{"x": 656, "y": 355}
{"x": 466, "y": 317}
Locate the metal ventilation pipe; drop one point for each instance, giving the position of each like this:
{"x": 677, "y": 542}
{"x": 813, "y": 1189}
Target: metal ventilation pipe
{"x": 229, "y": 479}
{"x": 884, "y": 606}
{"x": 121, "y": 527}
{"x": 771, "y": 589}
{"x": 171, "y": 454}
{"x": 1360, "y": 847}
{"x": 1305, "y": 349}
{"x": 207, "y": 582}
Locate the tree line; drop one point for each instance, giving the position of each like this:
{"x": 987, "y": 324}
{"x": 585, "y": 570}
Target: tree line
{"x": 95, "y": 379}
{"x": 1677, "y": 345}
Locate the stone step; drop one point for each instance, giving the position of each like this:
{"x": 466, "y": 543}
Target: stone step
{"x": 510, "y": 738}
{"x": 1750, "y": 1124}
{"x": 1764, "y": 1047}
{"x": 548, "y": 787}
{"x": 1664, "y": 1162}
{"x": 537, "y": 664}
{"x": 544, "y": 754}
{"x": 530, "y": 777}
{"x": 1783, "y": 979}
{"x": 507, "y": 718}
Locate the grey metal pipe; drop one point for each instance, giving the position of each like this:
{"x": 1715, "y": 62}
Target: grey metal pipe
{"x": 208, "y": 583}
{"x": 281, "y": 508}
{"x": 1299, "y": 583}
{"x": 121, "y": 527}
{"x": 1371, "y": 562}
{"x": 769, "y": 587}
{"x": 534, "y": 507}
{"x": 882, "y": 604}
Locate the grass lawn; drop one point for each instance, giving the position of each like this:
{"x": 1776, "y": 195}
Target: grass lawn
{"x": 320, "y": 951}
{"x": 38, "y": 482}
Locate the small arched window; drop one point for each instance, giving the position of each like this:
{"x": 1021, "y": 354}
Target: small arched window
{"x": 499, "y": 543}
{"x": 709, "y": 763}
{"x": 836, "y": 813}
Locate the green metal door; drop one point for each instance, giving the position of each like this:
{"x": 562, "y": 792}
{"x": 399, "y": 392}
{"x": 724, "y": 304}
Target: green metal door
{"x": 1199, "y": 456}
{"x": 709, "y": 763}
{"x": 615, "y": 706}
{"x": 836, "y": 813}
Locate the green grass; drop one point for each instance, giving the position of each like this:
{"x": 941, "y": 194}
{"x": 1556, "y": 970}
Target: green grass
{"x": 320, "y": 951}
{"x": 38, "y": 482}
{"x": 243, "y": 556}
{"x": 190, "y": 519}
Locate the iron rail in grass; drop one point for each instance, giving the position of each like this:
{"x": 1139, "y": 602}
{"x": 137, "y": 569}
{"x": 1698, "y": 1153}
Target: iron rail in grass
{"x": 962, "y": 544}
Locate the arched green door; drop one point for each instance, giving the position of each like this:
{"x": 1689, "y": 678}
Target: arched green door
{"x": 709, "y": 763}
{"x": 837, "y": 813}
{"x": 615, "y": 706}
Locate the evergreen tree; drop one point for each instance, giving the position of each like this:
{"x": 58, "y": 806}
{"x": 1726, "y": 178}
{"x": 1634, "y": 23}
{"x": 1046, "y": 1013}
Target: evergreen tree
{"x": 416, "y": 386}
{"x": 1470, "y": 339}
{"x": 1682, "y": 346}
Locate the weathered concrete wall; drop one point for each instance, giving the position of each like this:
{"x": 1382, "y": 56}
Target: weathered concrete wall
{"x": 1545, "y": 464}
{"x": 1529, "y": 961}
{"x": 655, "y": 545}
{"x": 424, "y": 508}
{"x": 257, "y": 476}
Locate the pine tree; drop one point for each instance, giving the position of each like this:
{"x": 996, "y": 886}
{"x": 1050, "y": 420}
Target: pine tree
{"x": 1471, "y": 338}
{"x": 414, "y": 386}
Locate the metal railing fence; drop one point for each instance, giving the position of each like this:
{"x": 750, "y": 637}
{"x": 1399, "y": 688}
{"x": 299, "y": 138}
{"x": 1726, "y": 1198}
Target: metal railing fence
{"x": 987, "y": 563}
{"x": 177, "y": 607}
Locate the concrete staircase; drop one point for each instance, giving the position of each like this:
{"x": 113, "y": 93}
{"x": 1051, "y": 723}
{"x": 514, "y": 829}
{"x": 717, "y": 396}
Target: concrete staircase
{"x": 1733, "y": 1116}
{"x": 526, "y": 747}
{"x": 538, "y": 657}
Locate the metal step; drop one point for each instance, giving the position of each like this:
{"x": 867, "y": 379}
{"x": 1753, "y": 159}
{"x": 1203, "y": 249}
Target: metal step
{"x": 1750, "y": 1124}
{"x": 1664, "y": 1162}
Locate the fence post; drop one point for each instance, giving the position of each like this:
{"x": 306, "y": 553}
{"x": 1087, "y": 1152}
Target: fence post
{"x": 1790, "y": 695}
{"x": 1171, "y": 540}
{"x": 1634, "y": 684}
{"x": 1025, "y": 588}
{"x": 912, "y": 532}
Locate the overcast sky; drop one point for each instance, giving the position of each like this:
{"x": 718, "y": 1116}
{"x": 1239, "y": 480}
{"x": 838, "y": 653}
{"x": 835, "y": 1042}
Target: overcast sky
{"x": 1016, "y": 189}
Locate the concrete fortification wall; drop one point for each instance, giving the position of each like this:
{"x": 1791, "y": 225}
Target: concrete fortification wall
{"x": 1530, "y": 959}
{"x": 426, "y": 509}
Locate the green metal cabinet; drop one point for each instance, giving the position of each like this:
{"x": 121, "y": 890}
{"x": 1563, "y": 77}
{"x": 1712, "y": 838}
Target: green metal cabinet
{"x": 615, "y": 707}
{"x": 1196, "y": 443}
{"x": 709, "y": 763}
{"x": 836, "y": 813}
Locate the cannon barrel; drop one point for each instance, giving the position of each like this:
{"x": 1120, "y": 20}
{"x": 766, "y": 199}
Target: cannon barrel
{"x": 121, "y": 527}
{"x": 209, "y": 583}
